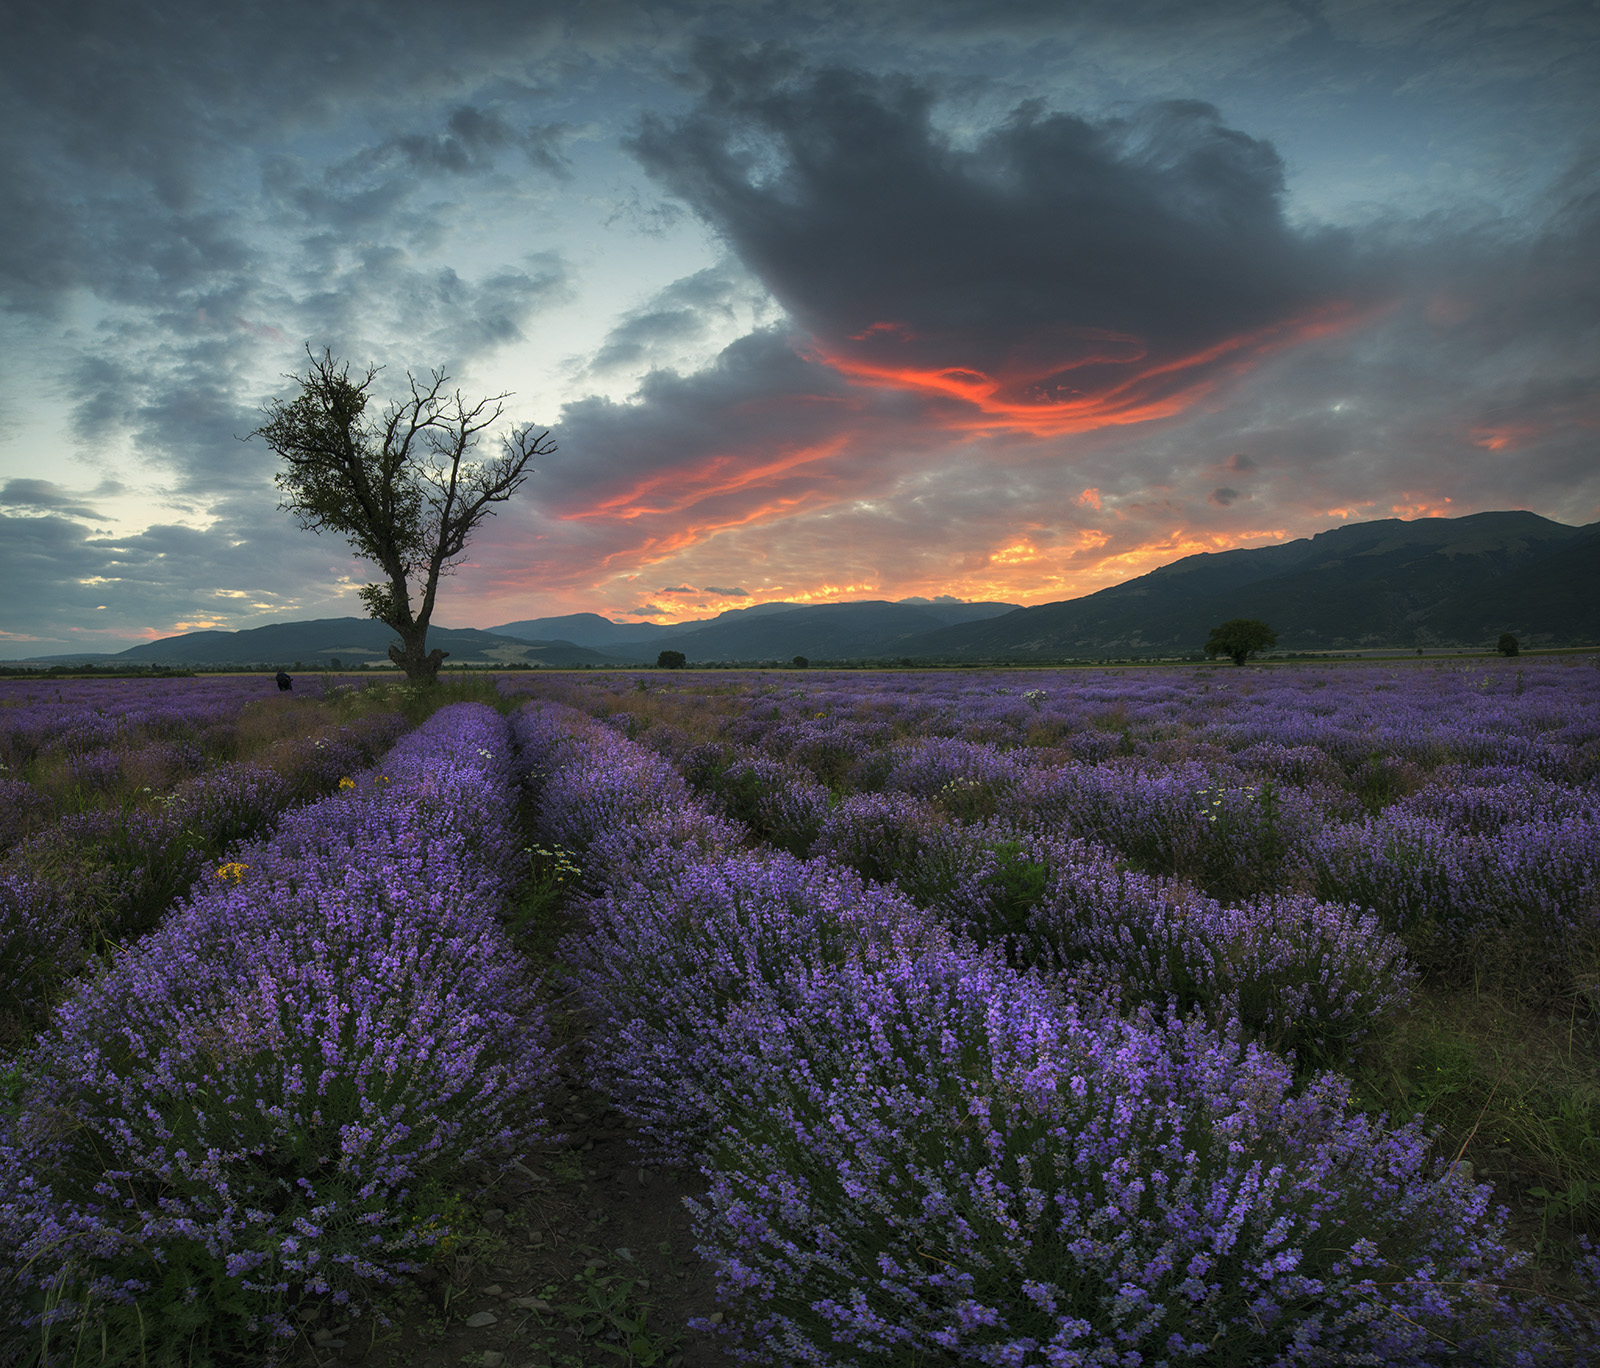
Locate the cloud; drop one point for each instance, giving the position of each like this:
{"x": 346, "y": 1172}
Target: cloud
{"x": 472, "y": 138}
{"x": 676, "y": 322}
{"x": 942, "y": 300}
{"x": 959, "y": 340}
{"x": 682, "y": 589}
{"x": 42, "y": 496}
{"x": 1060, "y": 274}
{"x": 241, "y": 571}
{"x": 647, "y": 610}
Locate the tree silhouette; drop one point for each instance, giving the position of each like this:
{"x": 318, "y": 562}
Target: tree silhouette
{"x": 1240, "y": 638}
{"x": 671, "y": 660}
{"x": 1507, "y": 645}
{"x": 403, "y": 488}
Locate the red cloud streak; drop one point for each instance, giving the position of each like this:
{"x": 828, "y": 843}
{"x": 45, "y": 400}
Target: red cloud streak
{"x": 1095, "y": 379}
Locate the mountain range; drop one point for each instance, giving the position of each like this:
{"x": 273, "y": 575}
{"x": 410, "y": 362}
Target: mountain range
{"x": 1429, "y": 582}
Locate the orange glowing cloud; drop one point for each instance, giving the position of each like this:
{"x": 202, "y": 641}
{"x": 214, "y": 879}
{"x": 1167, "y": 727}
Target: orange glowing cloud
{"x": 1421, "y": 506}
{"x": 1022, "y": 552}
{"x": 680, "y": 488}
{"x": 1505, "y": 436}
{"x": 1064, "y": 379}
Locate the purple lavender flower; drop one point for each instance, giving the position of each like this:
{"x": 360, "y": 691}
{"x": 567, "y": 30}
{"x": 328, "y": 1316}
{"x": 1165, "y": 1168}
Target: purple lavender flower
{"x": 280, "y": 1083}
{"x": 951, "y": 1161}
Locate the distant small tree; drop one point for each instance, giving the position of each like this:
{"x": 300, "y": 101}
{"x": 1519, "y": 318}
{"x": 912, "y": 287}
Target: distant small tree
{"x": 403, "y": 488}
{"x": 671, "y": 660}
{"x": 1507, "y": 645}
{"x": 800, "y": 662}
{"x": 1240, "y": 638}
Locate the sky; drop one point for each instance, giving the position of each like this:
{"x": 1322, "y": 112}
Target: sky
{"x": 825, "y": 300}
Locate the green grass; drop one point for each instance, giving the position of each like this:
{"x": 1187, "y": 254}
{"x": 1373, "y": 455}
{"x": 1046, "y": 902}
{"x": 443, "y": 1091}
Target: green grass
{"x": 1514, "y": 1087}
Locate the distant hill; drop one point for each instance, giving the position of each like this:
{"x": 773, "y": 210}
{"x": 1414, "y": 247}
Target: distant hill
{"x": 352, "y": 641}
{"x": 590, "y": 629}
{"x": 744, "y": 634}
{"x": 869, "y": 629}
{"x": 1435, "y": 582}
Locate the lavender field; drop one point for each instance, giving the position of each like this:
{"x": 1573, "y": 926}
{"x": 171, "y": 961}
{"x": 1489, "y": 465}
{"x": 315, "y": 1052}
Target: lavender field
{"x": 1224, "y": 1016}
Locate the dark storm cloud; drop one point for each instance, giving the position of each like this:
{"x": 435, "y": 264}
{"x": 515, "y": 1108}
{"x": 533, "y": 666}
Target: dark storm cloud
{"x": 682, "y": 436}
{"x": 727, "y": 593}
{"x": 44, "y": 497}
{"x": 1055, "y": 261}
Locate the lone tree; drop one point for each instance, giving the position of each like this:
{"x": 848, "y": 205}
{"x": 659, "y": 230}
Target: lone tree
{"x": 404, "y": 488}
{"x": 671, "y": 660}
{"x": 1240, "y": 638}
{"x": 1508, "y": 644}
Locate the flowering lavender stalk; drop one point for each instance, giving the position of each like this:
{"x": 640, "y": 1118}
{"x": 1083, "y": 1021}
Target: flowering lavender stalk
{"x": 23, "y": 810}
{"x": 273, "y": 1090}
{"x": 948, "y": 1162}
{"x": 39, "y": 952}
{"x": 668, "y": 954}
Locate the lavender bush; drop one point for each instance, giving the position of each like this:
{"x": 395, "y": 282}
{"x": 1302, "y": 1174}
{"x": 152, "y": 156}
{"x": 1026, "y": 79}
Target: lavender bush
{"x": 780, "y": 803}
{"x": 978, "y": 1170}
{"x": 666, "y": 957}
{"x": 1138, "y": 1171}
{"x": 39, "y": 951}
{"x": 23, "y": 810}
{"x": 265, "y": 1100}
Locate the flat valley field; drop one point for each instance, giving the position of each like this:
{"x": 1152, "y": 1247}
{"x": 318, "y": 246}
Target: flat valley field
{"x": 1203, "y": 1015}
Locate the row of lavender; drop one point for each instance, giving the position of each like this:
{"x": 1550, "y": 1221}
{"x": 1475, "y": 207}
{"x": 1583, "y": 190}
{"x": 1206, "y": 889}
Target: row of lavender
{"x": 1458, "y": 805}
{"x": 917, "y": 1152}
{"x": 78, "y": 881}
{"x": 268, "y": 1099}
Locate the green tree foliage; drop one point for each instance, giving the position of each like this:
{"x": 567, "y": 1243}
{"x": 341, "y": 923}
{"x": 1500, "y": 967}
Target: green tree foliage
{"x": 671, "y": 660}
{"x": 404, "y": 487}
{"x": 1507, "y": 645}
{"x": 1240, "y": 638}
{"x": 800, "y": 662}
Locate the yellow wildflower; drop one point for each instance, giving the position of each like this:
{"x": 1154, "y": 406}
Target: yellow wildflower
{"x": 345, "y": 784}
{"x": 232, "y": 872}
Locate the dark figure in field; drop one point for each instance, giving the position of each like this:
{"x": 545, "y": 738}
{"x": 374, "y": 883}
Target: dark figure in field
{"x": 284, "y": 682}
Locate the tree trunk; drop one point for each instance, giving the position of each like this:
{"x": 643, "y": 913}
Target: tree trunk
{"x": 409, "y": 655}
